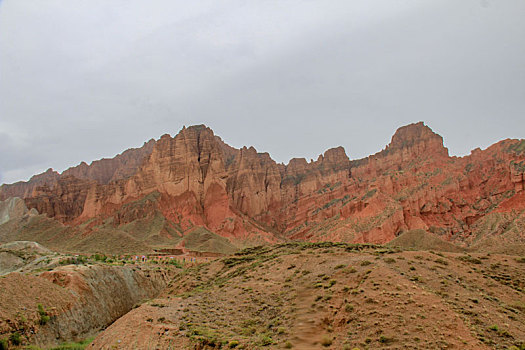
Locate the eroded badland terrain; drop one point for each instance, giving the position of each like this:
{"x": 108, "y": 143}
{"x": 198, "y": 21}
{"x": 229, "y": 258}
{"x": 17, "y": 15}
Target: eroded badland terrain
{"x": 188, "y": 243}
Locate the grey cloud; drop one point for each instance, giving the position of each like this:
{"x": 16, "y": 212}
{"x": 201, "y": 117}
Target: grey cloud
{"x": 83, "y": 80}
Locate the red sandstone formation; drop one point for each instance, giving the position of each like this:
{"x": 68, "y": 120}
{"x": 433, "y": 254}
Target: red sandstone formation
{"x": 105, "y": 171}
{"x": 245, "y": 195}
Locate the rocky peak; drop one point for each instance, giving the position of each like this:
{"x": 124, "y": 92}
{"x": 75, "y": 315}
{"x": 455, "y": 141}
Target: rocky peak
{"x": 251, "y": 151}
{"x": 188, "y": 140}
{"x": 416, "y": 139}
{"x": 297, "y": 165}
{"x": 47, "y": 176}
{"x": 335, "y": 155}
{"x": 334, "y": 159}
{"x": 197, "y": 138}
{"x": 196, "y": 132}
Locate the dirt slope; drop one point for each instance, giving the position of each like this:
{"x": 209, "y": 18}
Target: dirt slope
{"x": 336, "y": 296}
{"x": 76, "y": 300}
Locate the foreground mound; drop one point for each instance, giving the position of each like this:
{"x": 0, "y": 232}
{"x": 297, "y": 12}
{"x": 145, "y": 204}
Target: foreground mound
{"x": 72, "y": 302}
{"x": 337, "y": 296}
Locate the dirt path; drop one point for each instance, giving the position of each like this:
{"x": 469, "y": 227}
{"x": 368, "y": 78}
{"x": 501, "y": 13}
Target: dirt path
{"x": 308, "y": 330}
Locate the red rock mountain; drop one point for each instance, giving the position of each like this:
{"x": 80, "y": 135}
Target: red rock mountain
{"x": 194, "y": 179}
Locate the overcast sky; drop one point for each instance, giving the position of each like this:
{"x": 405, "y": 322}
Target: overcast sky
{"x": 85, "y": 79}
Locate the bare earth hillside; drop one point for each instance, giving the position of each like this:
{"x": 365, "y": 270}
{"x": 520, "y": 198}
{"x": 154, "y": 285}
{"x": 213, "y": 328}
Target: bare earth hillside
{"x": 61, "y": 298}
{"x": 334, "y": 296}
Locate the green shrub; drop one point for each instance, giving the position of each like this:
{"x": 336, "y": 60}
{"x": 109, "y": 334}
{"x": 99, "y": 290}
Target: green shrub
{"x": 74, "y": 346}
{"x": 441, "y": 261}
{"x": 281, "y": 330}
{"x": 176, "y": 263}
{"x": 349, "y": 347}
{"x": 100, "y": 257}
{"x": 369, "y": 194}
{"x": 15, "y": 338}
{"x": 233, "y": 344}
{"x": 365, "y": 263}
{"x": 327, "y": 340}
{"x": 265, "y": 340}
{"x": 3, "y": 344}
{"x": 288, "y": 345}
{"x": 470, "y": 259}
{"x": 44, "y": 318}
{"x": 384, "y": 340}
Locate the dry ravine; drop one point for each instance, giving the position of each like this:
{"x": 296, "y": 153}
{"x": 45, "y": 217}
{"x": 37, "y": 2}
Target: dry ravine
{"x": 74, "y": 301}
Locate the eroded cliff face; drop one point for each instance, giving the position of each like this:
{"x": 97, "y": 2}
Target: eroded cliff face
{"x": 63, "y": 196}
{"x": 79, "y": 300}
{"x": 414, "y": 184}
{"x": 245, "y": 195}
{"x": 13, "y": 208}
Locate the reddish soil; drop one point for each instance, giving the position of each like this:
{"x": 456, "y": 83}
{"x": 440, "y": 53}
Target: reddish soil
{"x": 75, "y": 301}
{"x": 314, "y": 296}
{"x": 19, "y": 296}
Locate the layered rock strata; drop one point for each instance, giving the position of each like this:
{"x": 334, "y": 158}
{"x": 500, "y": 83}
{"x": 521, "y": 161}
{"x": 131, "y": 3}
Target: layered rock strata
{"x": 246, "y": 196}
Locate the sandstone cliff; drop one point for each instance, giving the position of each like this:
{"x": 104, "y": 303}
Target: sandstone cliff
{"x": 198, "y": 180}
